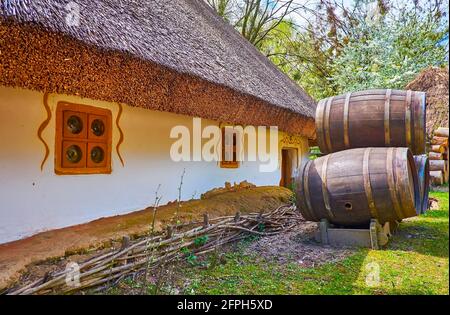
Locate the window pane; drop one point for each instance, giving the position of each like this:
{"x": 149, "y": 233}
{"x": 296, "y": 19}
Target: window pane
{"x": 74, "y": 154}
{"x": 97, "y": 154}
{"x": 74, "y": 124}
{"x": 98, "y": 127}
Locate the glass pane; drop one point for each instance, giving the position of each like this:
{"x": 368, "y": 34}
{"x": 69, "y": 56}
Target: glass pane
{"x": 97, "y": 154}
{"x": 74, "y": 124}
{"x": 98, "y": 128}
{"x": 73, "y": 154}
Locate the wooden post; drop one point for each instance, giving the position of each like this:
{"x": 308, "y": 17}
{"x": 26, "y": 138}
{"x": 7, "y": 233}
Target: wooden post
{"x": 169, "y": 232}
{"x": 125, "y": 242}
{"x": 205, "y": 220}
{"x": 237, "y": 217}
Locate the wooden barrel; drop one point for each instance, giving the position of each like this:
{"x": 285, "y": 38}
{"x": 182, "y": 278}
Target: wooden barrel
{"x": 423, "y": 177}
{"x": 350, "y": 187}
{"x": 372, "y": 118}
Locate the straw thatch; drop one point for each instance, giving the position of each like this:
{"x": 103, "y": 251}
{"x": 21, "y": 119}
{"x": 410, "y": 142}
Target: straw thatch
{"x": 434, "y": 81}
{"x": 174, "y": 55}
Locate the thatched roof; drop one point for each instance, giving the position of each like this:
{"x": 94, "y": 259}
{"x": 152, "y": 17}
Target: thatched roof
{"x": 182, "y": 36}
{"x": 435, "y": 82}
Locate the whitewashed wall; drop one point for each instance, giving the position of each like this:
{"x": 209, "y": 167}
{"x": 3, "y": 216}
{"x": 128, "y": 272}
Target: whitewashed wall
{"x": 32, "y": 200}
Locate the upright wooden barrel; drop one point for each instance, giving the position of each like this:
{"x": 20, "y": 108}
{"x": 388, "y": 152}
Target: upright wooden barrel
{"x": 350, "y": 187}
{"x": 423, "y": 177}
{"x": 372, "y": 118}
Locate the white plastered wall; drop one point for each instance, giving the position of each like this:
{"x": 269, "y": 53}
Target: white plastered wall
{"x": 32, "y": 200}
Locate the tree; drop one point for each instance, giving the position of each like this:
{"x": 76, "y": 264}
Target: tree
{"x": 390, "y": 51}
{"x": 222, "y": 7}
{"x": 254, "y": 19}
{"x": 331, "y": 46}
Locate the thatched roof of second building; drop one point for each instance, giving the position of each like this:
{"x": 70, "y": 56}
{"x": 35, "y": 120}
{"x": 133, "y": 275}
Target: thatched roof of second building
{"x": 183, "y": 35}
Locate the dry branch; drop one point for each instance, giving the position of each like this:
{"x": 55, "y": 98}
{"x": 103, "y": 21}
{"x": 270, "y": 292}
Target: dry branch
{"x": 155, "y": 251}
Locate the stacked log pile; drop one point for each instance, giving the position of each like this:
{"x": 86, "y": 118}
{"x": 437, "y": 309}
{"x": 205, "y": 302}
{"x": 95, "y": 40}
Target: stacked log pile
{"x": 370, "y": 172}
{"x": 438, "y": 155}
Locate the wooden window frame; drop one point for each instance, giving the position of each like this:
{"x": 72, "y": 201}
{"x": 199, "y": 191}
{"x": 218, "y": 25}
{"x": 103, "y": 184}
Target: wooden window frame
{"x": 229, "y": 164}
{"x": 86, "y": 138}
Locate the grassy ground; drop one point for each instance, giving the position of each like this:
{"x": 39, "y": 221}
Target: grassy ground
{"x": 414, "y": 262}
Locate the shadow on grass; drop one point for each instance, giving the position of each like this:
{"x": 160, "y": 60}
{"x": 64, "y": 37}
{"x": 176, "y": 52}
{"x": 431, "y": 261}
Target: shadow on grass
{"x": 427, "y": 235}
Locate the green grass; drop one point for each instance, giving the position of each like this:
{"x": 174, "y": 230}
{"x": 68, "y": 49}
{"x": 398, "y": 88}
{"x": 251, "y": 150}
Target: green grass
{"x": 414, "y": 262}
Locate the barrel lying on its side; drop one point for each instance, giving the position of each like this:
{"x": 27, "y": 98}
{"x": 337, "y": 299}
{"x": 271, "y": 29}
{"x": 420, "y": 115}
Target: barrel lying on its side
{"x": 352, "y": 186}
{"x": 423, "y": 176}
{"x": 372, "y": 118}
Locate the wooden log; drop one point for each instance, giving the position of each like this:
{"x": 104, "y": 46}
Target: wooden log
{"x": 438, "y": 148}
{"x": 438, "y": 165}
{"x": 435, "y": 156}
{"x": 441, "y": 132}
{"x": 436, "y": 178}
{"x": 372, "y": 118}
{"x": 352, "y": 187}
{"x": 440, "y": 140}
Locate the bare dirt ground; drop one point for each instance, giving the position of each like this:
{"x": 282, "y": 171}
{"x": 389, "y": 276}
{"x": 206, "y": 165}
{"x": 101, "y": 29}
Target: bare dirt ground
{"x": 297, "y": 246}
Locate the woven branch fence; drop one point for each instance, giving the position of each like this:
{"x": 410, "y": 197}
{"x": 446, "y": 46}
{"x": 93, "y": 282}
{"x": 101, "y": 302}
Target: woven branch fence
{"x": 152, "y": 251}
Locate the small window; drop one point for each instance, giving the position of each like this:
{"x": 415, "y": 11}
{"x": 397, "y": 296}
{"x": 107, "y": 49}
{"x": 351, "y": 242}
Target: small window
{"x": 229, "y": 151}
{"x": 83, "y": 139}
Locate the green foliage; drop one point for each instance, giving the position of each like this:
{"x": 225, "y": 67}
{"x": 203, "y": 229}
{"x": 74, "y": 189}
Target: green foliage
{"x": 389, "y": 53}
{"x": 261, "y": 227}
{"x": 314, "y": 153}
{"x": 201, "y": 240}
{"x": 191, "y": 258}
{"x": 329, "y": 47}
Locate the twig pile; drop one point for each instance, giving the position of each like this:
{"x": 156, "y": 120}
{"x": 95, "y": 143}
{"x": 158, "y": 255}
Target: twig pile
{"x": 154, "y": 250}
